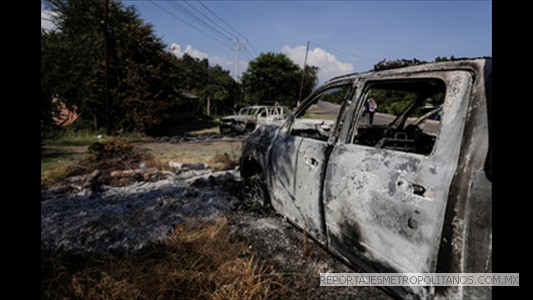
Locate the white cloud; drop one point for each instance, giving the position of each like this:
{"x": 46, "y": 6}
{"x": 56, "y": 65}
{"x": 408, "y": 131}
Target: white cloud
{"x": 329, "y": 65}
{"x": 176, "y": 49}
{"x": 46, "y": 20}
{"x": 224, "y": 62}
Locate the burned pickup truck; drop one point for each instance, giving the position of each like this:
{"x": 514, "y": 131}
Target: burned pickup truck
{"x": 408, "y": 190}
{"x": 249, "y": 117}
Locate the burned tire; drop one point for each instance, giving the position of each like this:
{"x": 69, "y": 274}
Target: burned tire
{"x": 225, "y": 130}
{"x": 249, "y": 128}
{"x": 256, "y": 191}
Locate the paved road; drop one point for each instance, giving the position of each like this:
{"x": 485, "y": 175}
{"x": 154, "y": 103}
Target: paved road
{"x": 331, "y": 109}
{"x": 429, "y": 126}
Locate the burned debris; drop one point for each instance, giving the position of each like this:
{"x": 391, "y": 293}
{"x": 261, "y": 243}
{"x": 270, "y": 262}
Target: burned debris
{"x": 399, "y": 63}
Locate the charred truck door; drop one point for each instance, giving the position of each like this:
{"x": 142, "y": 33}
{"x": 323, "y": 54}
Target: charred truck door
{"x": 388, "y": 179}
{"x": 299, "y": 156}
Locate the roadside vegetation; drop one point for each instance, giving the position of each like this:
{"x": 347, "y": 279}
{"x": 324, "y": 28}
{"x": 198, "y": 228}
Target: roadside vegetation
{"x": 74, "y": 155}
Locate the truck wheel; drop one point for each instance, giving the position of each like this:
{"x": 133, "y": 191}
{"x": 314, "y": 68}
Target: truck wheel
{"x": 256, "y": 190}
{"x": 250, "y": 128}
{"x": 225, "y": 130}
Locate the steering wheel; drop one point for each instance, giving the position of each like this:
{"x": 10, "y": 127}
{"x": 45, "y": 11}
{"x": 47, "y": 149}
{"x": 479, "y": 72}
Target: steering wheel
{"x": 427, "y": 115}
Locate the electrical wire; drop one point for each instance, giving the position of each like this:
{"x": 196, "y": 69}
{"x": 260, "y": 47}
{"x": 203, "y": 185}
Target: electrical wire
{"x": 229, "y": 26}
{"x": 345, "y": 53}
{"x": 190, "y": 25}
{"x": 197, "y": 20}
{"x": 209, "y": 19}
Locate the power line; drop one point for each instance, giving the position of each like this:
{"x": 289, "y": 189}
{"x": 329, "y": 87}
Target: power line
{"x": 229, "y": 26}
{"x": 346, "y": 53}
{"x": 247, "y": 53}
{"x": 220, "y": 19}
{"x": 198, "y": 20}
{"x": 190, "y": 25}
{"x": 251, "y": 45}
{"x": 209, "y": 19}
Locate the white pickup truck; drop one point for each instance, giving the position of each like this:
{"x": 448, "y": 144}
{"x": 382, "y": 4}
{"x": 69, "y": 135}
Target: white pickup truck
{"x": 249, "y": 117}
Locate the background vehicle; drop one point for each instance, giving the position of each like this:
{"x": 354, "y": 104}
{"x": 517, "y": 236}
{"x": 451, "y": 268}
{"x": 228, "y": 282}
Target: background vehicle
{"x": 410, "y": 192}
{"x": 248, "y": 118}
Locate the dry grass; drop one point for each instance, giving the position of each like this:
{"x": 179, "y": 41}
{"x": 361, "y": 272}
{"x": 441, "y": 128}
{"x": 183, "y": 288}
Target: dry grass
{"x": 199, "y": 261}
{"x": 56, "y": 161}
{"x": 227, "y": 160}
{"x": 213, "y": 129}
{"x": 208, "y": 151}
{"x": 55, "y": 174}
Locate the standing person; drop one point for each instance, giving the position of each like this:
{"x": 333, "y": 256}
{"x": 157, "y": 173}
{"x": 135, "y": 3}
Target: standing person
{"x": 371, "y": 106}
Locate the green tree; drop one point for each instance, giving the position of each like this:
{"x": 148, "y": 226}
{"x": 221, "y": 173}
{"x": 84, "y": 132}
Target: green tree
{"x": 275, "y": 77}
{"x": 193, "y": 73}
{"x": 223, "y": 92}
{"x": 143, "y": 80}
{"x": 444, "y": 58}
{"x": 209, "y": 82}
{"x": 51, "y": 57}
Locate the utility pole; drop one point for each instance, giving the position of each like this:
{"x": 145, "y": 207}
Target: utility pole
{"x": 208, "y": 106}
{"x": 237, "y": 60}
{"x": 106, "y": 67}
{"x": 303, "y": 75}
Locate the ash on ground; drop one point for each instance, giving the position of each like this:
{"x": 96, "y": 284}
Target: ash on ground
{"x": 126, "y": 219}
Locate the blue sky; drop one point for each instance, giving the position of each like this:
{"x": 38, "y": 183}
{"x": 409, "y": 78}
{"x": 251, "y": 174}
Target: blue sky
{"x": 345, "y": 36}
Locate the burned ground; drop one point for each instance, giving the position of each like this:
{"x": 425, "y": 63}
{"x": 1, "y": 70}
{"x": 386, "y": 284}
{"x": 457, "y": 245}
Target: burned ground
{"x": 81, "y": 228}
